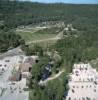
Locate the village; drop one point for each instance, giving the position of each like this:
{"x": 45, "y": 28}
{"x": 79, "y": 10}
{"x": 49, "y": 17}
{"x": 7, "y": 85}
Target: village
{"x": 48, "y": 49}
{"x": 15, "y": 74}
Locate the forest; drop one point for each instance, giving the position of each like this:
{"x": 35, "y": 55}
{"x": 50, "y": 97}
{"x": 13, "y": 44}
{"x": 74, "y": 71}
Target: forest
{"x": 15, "y": 13}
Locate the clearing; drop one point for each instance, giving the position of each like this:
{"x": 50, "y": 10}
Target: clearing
{"x": 40, "y": 35}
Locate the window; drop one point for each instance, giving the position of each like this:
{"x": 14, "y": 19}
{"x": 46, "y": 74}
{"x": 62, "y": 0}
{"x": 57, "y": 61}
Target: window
{"x": 0, "y": 65}
{"x": 77, "y": 87}
{"x": 73, "y": 91}
{"x": 82, "y": 86}
{"x": 94, "y": 90}
{"x": 69, "y": 98}
{"x": 83, "y": 98}
{"x": 90, "y": 86}
{"x": 73, "y": 86}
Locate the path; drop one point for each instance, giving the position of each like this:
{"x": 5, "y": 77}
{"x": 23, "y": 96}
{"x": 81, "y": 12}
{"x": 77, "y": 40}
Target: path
{"x": 33, "y": 30}
{"x": 52, "y": 78}
{"x": 59, "y": 36}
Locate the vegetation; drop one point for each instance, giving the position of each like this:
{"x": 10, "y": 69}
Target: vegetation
{"x": 9, "y": 40}
{"x": 34, "y": 50}
{"x": 38, "y": 70}
{"x": 16, "y": 13}
{"x": 70, "y": 49}
{"x": 80, "y": 48}
{"x": 39, "y": 35}
{"x": 54, "y": 90}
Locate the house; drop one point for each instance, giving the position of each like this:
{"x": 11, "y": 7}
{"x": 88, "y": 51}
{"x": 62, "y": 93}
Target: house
{"x": 31, "y": 59}
{"x": 3, "y": 66}
{"x": 83, "y": 84}
{"x": 25, "y": 69}
{"x": 15, "y": 77}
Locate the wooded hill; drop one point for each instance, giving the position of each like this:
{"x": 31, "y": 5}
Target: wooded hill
{"x": 23, "y": 13}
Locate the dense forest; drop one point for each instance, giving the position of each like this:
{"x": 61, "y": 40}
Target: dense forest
{"x": 17, "y": 13}
{"x": 9, "y": 40}
{"x": 83, "y": 48}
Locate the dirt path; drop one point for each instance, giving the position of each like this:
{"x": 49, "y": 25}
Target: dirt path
{"x": 43, "y": 40}
{"x": 51, "y": 78}
{"x": 59, "y": 36}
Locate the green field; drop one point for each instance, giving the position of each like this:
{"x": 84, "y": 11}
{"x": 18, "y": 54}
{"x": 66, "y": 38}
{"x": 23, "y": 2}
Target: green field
{"x": 39, "y": 35}
{"x": 29, "y": 36}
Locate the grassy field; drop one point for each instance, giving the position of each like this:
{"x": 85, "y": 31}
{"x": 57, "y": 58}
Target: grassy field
{"x": 39, "y": 35}
{"x": 29, "y": 36}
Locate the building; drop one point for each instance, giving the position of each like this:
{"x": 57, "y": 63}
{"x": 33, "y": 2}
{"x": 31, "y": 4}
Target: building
{"x": 83, "y": 83}
{"x": 25, "y": 69}
{"x": 3, "y": 66}
{"x": 15, "y": 77}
